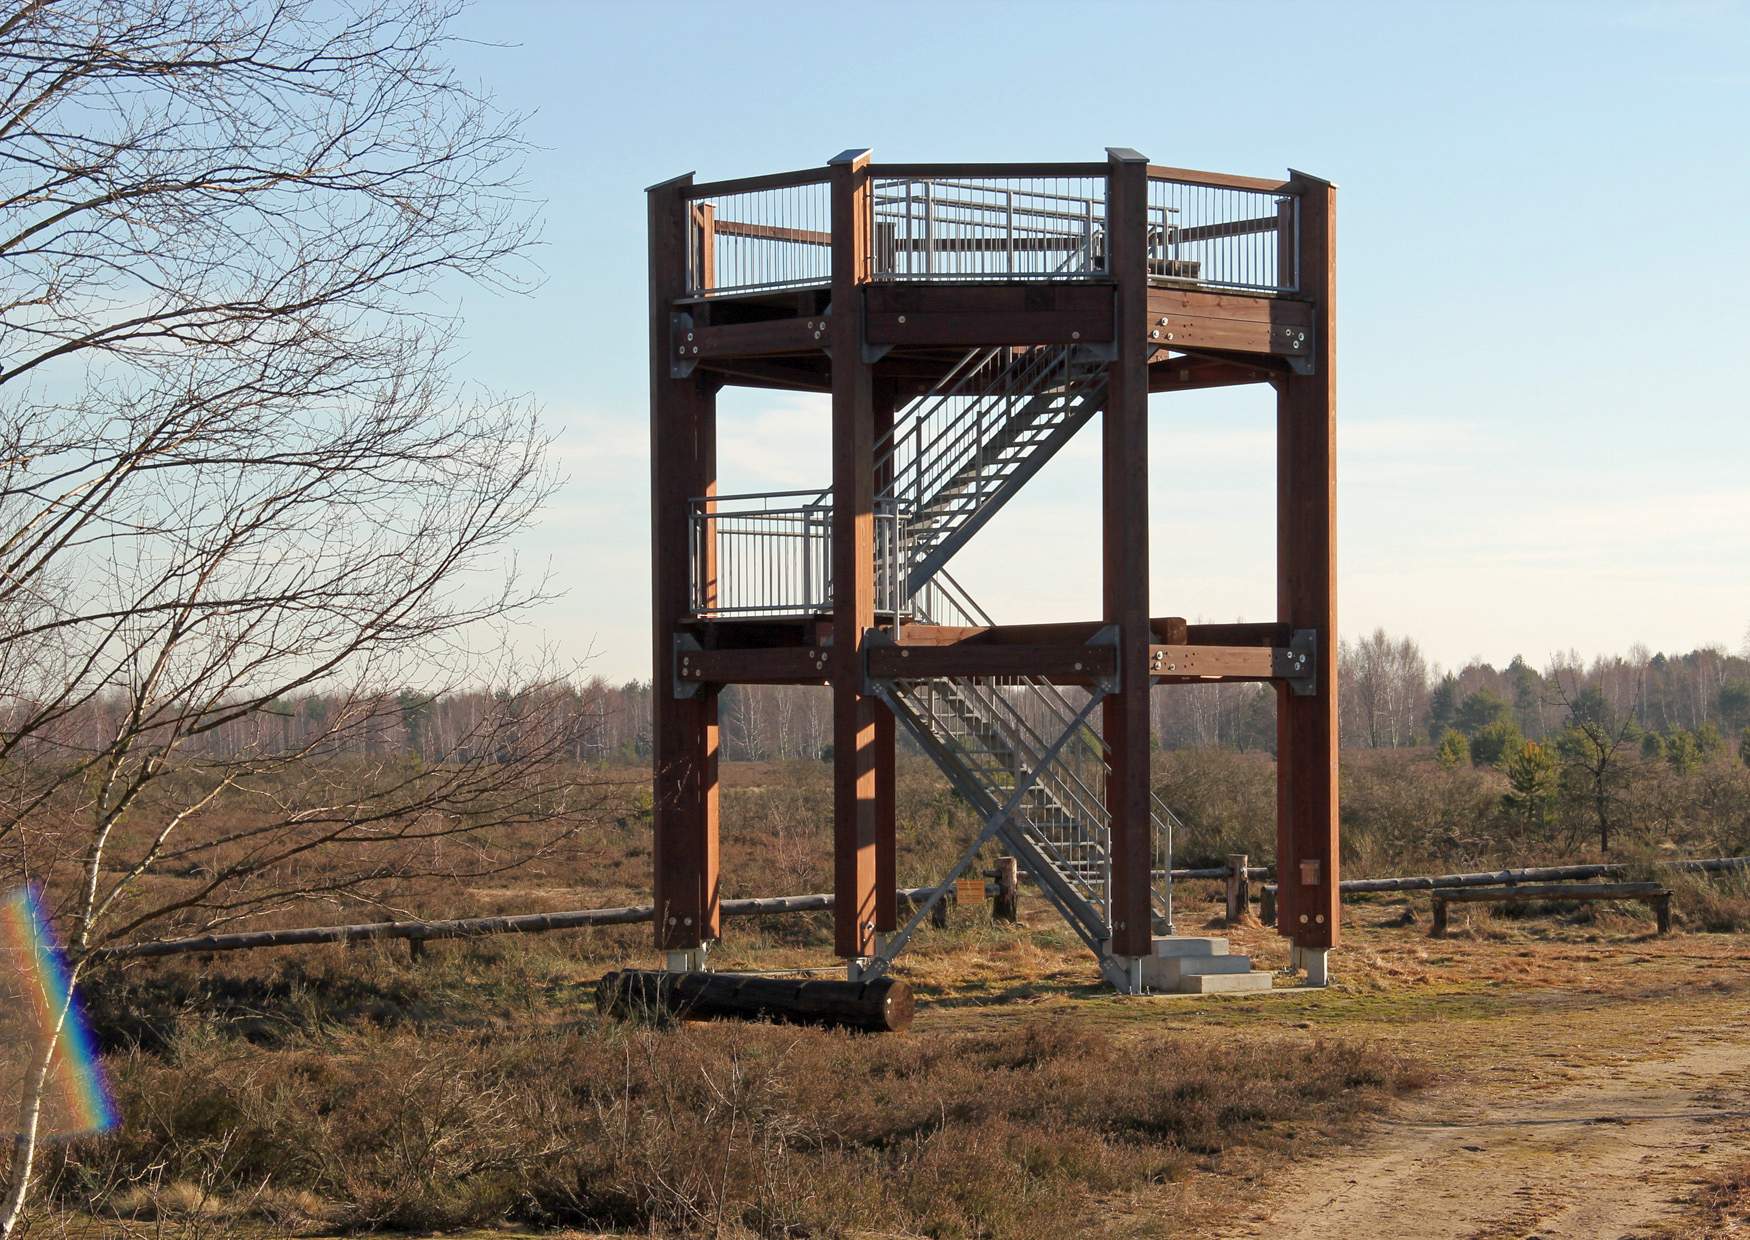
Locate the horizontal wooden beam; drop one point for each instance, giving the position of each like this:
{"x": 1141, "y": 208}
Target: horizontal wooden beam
{"x": 1555, "y": 891}
{"x": 760, "y": 339}
{"x": 1070, "y": 633}
{"x": 1183, "y": 318}
{"x": 1186, "y": 373}
{"x": 771, "y": 232}
{"x": 1063, "y": 662}
{"x": 770, "y": 373}
{"x": 1187, "y": 663}
{"x": 965, "y": 315}
{"x": 1229, "y": 228}
{"x": 1239, "y": 634}
{"x": 775, "y": 665}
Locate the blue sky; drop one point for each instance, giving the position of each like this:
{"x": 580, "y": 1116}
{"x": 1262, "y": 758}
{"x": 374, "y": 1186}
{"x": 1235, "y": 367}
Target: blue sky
{"x": 1544, "y": 301}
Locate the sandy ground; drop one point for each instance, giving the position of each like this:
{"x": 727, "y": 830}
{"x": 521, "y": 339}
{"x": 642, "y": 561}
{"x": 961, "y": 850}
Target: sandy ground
{"x": 1612, "y": 1075}
{"x": 1613, "y": 1154}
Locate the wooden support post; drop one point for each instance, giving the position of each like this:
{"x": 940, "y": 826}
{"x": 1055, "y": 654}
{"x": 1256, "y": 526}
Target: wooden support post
{"x": 1124, "y": 474}
{"x": 1438, "y": 929}
{"x": 886, "y": 738}
{"x": 1267, "y": 903}
{"x": 682, "y": 466}
{"x": 1239, "y": 891}
{"x": 1306, "y": 559}
{"x": 853, "y": 567}
{"x": 1006, "y": 903}
{"x": 1662, "y": 907}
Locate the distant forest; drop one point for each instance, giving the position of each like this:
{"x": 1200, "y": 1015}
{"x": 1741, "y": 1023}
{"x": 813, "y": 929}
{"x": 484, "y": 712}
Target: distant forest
{"x": 1682, "y": 707}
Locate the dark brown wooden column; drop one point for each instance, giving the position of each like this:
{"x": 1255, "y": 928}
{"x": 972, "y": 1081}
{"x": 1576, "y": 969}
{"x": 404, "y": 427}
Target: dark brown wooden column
{"x": 853, "y": 567}
{"x": 1306, "y": 565}
{"x": 886, "y": 739}
{"x": 682, "y": 466}
{"x": 1124, "y": 471}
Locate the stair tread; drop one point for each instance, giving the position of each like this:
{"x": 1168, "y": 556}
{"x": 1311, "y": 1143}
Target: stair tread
{"x": 1224, "y": 983}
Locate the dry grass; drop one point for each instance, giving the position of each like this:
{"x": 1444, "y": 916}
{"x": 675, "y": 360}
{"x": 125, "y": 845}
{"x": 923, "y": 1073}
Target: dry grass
{"x": 728, "y": 1129}
{"x": 1721, "y": 1206}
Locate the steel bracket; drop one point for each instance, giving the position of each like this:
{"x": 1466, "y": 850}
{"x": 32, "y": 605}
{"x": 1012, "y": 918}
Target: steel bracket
{"x": 685, "y": 644}
{"x": 1302, "y": 660}
{"x": 872, "y": 687}
{"x": 1297, "y": 345}
{"x": 683, "y": 349}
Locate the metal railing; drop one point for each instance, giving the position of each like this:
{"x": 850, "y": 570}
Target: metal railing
{"x": 770, "y": 554}
{"x": 987, "y": 228}
{"x": 1045, "y": 222}
{"x": 1222, "y": 235}
{"x": 761, "y": 239}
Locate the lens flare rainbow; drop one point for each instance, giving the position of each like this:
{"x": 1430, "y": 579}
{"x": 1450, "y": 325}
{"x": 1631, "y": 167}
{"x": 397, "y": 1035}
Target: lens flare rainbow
{"x": 37, "y": 1004}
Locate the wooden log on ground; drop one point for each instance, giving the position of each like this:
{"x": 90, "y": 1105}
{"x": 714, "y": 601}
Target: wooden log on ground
{"x": 884, "y": 1005}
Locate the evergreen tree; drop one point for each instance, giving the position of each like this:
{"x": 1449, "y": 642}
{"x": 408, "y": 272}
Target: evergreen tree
{"x": 1496, "y": 744}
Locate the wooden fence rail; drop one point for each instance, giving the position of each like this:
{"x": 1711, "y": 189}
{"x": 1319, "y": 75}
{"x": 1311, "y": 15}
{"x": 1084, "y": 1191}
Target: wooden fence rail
{"x": 577, "y": 919}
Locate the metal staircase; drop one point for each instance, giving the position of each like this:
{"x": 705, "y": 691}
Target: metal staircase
{"x": 1030, "y": 762}
{"x": 961, "y": 452}
{"x": 1025, "y": 754}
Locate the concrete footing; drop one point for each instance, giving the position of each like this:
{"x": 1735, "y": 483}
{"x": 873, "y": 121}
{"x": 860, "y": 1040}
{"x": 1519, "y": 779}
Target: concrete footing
{"x": 1313, "y": 962}
{"x": 690, "y": 960}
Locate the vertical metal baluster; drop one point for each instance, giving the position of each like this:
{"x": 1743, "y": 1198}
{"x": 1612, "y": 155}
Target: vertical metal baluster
{"x": 929, "y": 230}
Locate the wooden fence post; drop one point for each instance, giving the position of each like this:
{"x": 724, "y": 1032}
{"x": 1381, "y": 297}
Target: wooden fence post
{"x": 1239, "y": 892}
{"x": 1267, "y": 904}
{"x": 1006, "y": 904}
{"x": 1438, "y": 930}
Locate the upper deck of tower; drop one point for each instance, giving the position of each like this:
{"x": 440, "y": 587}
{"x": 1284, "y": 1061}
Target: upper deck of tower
{"x": 756, "y": 237}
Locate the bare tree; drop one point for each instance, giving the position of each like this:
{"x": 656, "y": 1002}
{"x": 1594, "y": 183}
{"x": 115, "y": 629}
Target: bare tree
{"x": 1387, "y": 685}
{"x": 234, "y": 467}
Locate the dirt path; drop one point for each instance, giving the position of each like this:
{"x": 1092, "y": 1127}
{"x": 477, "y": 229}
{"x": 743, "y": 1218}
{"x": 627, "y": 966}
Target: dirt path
{"x": 1608, "y": 1153}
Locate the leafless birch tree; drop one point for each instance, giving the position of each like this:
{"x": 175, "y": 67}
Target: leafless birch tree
{"x": 235, "y": 467}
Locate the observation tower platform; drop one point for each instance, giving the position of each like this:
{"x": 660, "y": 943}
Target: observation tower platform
{"x": 968, "y": 320}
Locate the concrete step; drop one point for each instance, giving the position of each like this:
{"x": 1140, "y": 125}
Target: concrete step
{"x": 1223, "y": 983}
{"x": 1167, "y": 947}
{"x": 1164, "y": 973}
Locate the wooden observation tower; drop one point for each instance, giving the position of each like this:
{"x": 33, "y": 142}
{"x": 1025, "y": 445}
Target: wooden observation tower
{"x": 968, "y": 320}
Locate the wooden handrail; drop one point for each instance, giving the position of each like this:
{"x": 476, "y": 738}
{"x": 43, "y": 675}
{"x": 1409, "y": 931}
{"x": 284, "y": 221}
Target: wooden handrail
{"x": 748, "y": 185}
{"x": 1218, "y": 180}
{"x": 987, "y": 170}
